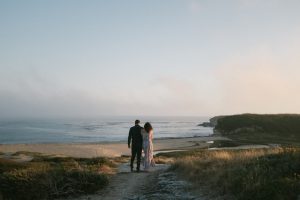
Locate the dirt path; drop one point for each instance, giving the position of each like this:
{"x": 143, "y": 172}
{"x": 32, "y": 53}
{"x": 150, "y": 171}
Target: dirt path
{"x": 157, "y": 184}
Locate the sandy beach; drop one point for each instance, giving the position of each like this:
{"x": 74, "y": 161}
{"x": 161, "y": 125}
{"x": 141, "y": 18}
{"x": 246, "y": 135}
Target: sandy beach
{"x": 107, "y": 149}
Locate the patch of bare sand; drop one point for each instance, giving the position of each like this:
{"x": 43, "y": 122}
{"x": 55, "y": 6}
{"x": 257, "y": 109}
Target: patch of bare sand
{"x": 16, "y": 158}
{"x": 124, "y": 184}
{"x": 159, "y": 183}
{"x": 113, "y": 149}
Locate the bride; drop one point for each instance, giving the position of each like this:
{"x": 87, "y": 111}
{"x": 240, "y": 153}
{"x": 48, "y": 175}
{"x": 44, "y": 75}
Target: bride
{"x": 147, "y": 134}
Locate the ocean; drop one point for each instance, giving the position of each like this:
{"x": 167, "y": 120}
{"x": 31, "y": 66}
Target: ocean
{"x": 104, "y": 129}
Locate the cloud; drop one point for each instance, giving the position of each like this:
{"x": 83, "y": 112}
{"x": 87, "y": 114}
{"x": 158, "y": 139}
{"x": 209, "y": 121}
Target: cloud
{"x": 179, "y": 95}
{"x": 40, "y": 95}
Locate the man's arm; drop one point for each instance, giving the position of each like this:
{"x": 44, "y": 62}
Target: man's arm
{"x": 129, "y": 137}
{"x": 141, "y": 136}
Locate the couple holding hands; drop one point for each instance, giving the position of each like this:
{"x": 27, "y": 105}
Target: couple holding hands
{"x": 140, "y": 139}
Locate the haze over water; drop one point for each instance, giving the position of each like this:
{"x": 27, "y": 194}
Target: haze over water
{"x": 95, "y": 130}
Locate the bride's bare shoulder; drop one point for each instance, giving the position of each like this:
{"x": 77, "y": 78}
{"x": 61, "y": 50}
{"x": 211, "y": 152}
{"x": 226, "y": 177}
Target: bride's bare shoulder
{"x": 151, "y": 132}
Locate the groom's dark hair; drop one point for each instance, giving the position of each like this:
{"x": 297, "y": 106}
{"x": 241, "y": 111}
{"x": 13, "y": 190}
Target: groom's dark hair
{"x": 137, "y": 122}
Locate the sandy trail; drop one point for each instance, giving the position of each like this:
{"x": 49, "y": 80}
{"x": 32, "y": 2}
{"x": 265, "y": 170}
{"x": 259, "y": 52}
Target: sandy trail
{"x": 157, "y": 184}
{"x": 125, "y": 185}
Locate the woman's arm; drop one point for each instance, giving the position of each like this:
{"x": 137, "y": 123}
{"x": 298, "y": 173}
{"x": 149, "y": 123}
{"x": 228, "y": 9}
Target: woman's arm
{"x": 151, "y": 135}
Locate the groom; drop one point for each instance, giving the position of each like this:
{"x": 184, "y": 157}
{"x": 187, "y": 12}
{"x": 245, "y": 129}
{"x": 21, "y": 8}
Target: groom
{"x": 136, "y": 140}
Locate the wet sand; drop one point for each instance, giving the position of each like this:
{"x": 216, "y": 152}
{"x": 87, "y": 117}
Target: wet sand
{"x": 107, "y": 149}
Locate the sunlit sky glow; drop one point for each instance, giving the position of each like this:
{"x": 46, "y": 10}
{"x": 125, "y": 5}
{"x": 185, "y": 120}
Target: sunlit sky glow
{"x": 172, "y": 57}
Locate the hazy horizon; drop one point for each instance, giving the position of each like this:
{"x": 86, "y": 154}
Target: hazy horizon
{"x": 156, "y": 58}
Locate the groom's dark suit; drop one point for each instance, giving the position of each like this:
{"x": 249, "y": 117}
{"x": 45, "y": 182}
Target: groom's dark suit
{"x": 136, "y": 140}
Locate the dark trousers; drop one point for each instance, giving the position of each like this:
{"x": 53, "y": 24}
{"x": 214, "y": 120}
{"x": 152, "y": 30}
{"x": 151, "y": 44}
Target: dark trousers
{"x": 136, "y": 151}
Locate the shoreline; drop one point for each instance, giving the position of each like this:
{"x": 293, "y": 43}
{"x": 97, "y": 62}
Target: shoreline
{"x": 116, "y": 141}
{"x": 108, "y": 149}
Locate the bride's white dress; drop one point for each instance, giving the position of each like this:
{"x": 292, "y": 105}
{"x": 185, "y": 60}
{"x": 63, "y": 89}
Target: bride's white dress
{"x": 148, "y": 149}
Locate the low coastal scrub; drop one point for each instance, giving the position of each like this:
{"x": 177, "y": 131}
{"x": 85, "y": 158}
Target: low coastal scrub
{"x": 242, "y": 174}
{"x": 261, "y": 129}
{"x": 52, "y": 177}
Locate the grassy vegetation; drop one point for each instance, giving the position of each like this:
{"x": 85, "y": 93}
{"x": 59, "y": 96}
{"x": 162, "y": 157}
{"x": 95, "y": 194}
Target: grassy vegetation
{"x": 224, "y": 143}
{"x": 51, "y": 177}
{"x": 261, "y": 129}
{"x": 242, "y": 174}
{"x": 246, "y": 174}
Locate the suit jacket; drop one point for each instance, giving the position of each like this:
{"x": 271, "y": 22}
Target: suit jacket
{"x": 135, "y": 136}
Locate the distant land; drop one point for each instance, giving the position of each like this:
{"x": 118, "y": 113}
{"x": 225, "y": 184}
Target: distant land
{"x": 281, "y": 129}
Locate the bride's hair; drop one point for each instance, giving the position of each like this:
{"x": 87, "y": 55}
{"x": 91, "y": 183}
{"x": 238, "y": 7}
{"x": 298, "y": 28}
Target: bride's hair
{"x": 148, "y": 127}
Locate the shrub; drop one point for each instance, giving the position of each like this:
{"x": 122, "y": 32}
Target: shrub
{"x": 50, "y": 177}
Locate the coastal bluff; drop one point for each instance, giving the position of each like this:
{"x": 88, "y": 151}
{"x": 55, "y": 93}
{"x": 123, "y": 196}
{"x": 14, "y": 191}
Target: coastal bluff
{"x": 277, "y": 128}
{"x": 212, "y": 122}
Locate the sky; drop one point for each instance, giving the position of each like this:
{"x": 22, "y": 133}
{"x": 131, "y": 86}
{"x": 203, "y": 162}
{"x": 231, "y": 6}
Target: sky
{"x": 173, "y": 57}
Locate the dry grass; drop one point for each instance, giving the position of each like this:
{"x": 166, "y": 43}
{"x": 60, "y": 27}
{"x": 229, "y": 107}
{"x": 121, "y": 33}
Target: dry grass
{"x": 244, "y": 174}
{"x": 163, "y": 160}
{"x": 48, "y": 177}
